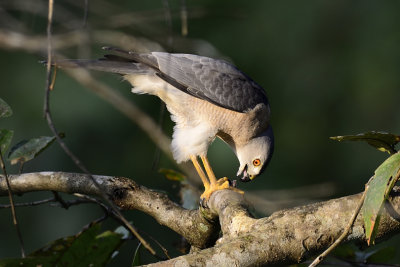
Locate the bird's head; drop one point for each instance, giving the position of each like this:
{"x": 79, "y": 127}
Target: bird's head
{"x": 255, "y": 155}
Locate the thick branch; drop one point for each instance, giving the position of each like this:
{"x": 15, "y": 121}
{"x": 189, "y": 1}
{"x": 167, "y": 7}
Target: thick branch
{"x": 288, "y": 236}
{"x": 126, "y": 194}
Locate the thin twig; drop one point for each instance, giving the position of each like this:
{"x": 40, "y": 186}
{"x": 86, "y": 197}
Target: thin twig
{"x": 61, "y": 142}
{"x": 13, "y": 212}
{"x": 95, "y": 221}
{"x": 49, "y": 80}
{"x": 99, "y": 220}
{"x": 346, "y": 231}
{"x": 66, "y": 204}
{"x": 85, "y": 170}
{"x": 60, "y": 200}
{"x": 159, "y": 244}
{"x": 53, "y": 80}
{"x": 160, "y": 258}
{"x": 88, "y": 199}
{"x": 29, "y": 204}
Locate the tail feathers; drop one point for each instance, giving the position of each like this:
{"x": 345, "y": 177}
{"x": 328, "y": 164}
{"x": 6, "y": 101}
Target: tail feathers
{"x": 146, "y": 59}
{"x": 106, "y": 65}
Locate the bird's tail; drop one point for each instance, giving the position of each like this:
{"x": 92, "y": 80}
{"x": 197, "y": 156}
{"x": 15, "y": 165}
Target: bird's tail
{"x": 105, "y": 65}
{"x": 123, "y": 63}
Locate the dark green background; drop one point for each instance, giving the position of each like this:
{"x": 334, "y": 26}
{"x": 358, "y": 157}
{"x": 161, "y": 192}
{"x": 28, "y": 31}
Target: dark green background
{"x": 328, "y": 67}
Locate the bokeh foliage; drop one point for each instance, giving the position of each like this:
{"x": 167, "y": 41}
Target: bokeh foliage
{"x": 329, "y": 68}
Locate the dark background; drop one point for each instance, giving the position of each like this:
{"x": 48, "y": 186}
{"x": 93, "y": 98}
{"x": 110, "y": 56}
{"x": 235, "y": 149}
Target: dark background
{"x": 329, "y": 68}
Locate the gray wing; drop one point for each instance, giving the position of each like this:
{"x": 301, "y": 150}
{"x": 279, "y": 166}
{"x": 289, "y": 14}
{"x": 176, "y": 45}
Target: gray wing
{"x": 213, "y": 80}
{"x": 210, "y": 79}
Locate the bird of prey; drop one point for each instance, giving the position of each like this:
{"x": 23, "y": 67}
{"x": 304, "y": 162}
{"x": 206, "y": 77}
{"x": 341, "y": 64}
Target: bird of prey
{"x": 207, "y": 98}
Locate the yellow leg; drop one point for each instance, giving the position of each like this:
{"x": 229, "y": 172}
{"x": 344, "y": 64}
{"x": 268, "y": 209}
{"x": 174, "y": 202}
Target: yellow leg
{"x": 208, "y": 169}
{"x": 201, "y": 173}
{"x": 215, "y": 184}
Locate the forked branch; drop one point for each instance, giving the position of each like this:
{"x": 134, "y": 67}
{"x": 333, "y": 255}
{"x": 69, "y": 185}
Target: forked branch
{"x": 285, "y": 237}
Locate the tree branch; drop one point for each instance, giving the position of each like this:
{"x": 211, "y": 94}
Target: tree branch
{"x": 126, "y": 194}
{"x": 288, "y": 236}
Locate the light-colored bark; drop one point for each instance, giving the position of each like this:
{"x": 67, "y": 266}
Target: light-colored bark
{"x": 285, "y": 237}
{"x": 126, "y": 194}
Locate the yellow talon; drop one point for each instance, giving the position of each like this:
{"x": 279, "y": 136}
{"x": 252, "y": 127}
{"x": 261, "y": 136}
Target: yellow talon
{"x": 221, "y": 184}
{"x": 211, "y": 184}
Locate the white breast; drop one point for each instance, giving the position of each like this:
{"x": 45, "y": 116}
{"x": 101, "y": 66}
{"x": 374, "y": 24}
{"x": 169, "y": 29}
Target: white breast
{"x": 193, "y": 133}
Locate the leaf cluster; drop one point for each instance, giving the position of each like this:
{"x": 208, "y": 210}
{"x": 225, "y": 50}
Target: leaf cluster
{"x": 88, "y": 248}
{"x": 383, "y": 181}
{"x": 24, "y": 150}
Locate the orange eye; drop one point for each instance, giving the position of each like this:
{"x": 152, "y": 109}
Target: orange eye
{"x": 256, "y": 162}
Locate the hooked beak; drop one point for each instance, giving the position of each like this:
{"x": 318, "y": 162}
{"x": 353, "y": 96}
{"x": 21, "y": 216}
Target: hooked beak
{"x": 246, "y": 177}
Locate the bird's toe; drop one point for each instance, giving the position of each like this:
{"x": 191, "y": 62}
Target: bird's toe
{"x": 223, "y": 183}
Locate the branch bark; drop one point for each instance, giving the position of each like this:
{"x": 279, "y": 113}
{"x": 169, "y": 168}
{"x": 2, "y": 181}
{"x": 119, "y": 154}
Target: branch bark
{"x": 126, "y": 194}
{"x": 288, "y": 236}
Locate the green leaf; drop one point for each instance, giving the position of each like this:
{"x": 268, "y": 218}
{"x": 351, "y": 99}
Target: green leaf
{"x": 5, "y": 110}
{"x": 5, "y": 139}
{"x": 173, "y": 175}
{"x": 382, "y": 141}
{"x": 29, "y": 149}
{"x": 378, "y": 190}
{"x": 91, "y": 249}
{"x": 88, "y": 248}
